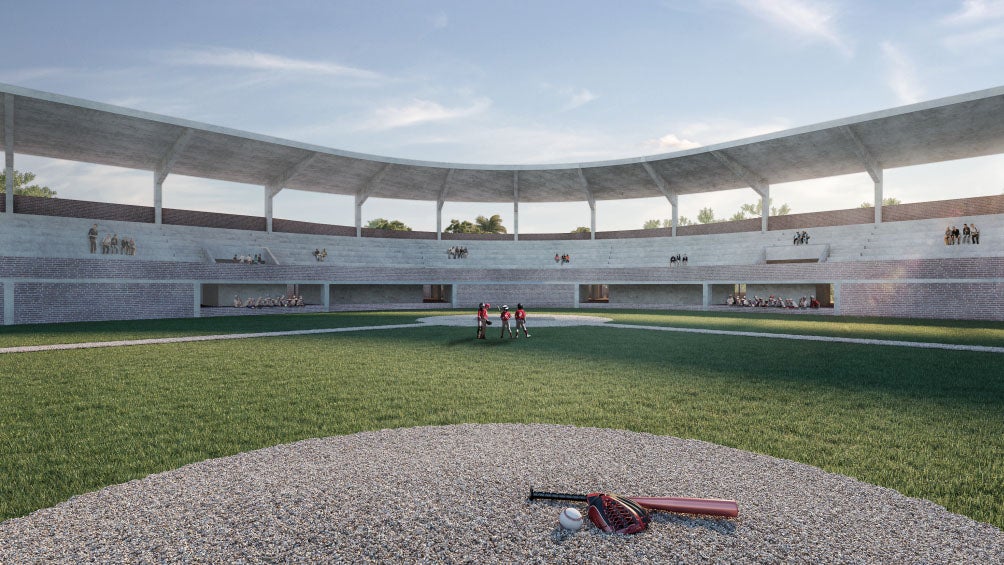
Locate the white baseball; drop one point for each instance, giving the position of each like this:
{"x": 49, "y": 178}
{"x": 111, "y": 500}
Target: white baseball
{"x": 570, "y": 519}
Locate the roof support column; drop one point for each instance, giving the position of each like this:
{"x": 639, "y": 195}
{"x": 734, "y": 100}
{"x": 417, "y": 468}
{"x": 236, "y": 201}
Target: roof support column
{"x": 8, "y": 144}
{"x": 364, "y": 194}
{"x": 872, "y": 165}
{"x": 663, "y": 185}
{"x": 270, "y": 192}
{"x": 755, "y": 181}
{"x": 158, "y": 198}
{"x": 592, "y": 204}
{"x": 676, "y": 214}
{"x": 878, "y": 198}
{"x": 440, "y": 202}
{"x": 163, "y": 169}
{"x": 279, "y": 182}
{"x": 515, "y": 205}
{"x": 764, "y": 207}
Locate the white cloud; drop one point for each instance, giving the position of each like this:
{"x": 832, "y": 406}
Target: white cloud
{"x": 902, "y": 74}
{"x": 976, "y": 12}
{"x": 440, "y": 21}
{"x": 978, "y": 24}
{"x": 580, "y": 98}
{"x": 801, "y": 17}
{"x": 419, "y": 111}
{"x": 671, "y": 142}
{"x": 256, "y": 61}
{"x": 699, "y": 134}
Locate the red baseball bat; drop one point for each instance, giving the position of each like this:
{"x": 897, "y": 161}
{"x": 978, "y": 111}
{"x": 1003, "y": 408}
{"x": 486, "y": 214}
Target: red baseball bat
{"x": 704, "y": 506}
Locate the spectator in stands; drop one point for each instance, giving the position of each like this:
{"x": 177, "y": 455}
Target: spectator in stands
{"x": 684, "y": 258}
{"x": 249, "y": 303}
{"x": 948, "y": 235}
{"x": 106, "y": 244}
{"x": 672, "y": 260}
{"x": 115, "y": 243}
{"x": 557, "y": 258}
{"x": 237, "y": 301}
{"x": 92, "y": 235}
{"x": 966, "y": 233}
{"x": 976, "y": 233}
{"x": 956, "y": 235}
{"x": 813, "y": 303}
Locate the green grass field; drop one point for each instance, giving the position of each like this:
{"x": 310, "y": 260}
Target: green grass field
{"x": 928, "y": 423}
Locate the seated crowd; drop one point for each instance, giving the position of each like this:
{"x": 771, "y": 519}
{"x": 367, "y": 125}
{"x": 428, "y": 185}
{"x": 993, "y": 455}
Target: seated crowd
{"x": 562, "y": 259}
{"x": 771, "y": 302}
{"x": 249, "y": 259}
{"x": 801, "y": 238}
{"x": 320, "y": 254}
{"x": 457, "y": 252}
{"x": 268, "y": 302}
{"x": 677, "y": 259}
{"x": 969, "y": 234}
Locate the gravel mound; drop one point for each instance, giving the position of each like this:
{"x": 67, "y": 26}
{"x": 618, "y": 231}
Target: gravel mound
{"x": 457, "y": 494}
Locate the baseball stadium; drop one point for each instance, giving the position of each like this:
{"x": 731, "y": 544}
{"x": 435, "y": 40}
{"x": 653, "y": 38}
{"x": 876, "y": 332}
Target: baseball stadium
{"x": 845, "y": 392}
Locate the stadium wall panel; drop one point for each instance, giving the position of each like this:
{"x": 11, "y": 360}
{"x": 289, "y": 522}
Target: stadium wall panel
{"x": 965, "y": 301}
{"x": 375, "y": 294}
{"x": 668, "y": 294}
{"x": 530, "y": 295}
{"x": 45, "y": 302}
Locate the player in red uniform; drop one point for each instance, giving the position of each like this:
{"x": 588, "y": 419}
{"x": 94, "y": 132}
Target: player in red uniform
{"x": 505, "y": 316}
{"x": 482, "y": 319}
{"x": 521, "y": 320}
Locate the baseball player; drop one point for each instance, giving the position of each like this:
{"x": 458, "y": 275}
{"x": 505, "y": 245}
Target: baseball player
{"x": 521, "y": 321}
{"x": 482, "y": 319}
{"x": 505, "y": 316}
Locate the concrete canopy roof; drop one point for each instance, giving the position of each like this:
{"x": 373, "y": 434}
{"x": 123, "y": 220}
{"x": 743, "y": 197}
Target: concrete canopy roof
{"x": 61, "y": 127}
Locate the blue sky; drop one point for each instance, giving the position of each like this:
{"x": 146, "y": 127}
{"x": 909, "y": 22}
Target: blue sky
{"x": 507, "y": 82}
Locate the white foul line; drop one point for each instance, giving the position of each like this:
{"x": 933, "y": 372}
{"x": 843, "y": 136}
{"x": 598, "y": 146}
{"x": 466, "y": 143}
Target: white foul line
{"x": 161, "y": 340}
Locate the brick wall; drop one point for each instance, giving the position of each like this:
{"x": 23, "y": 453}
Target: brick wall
{"x": 480, "y": 236}
{"x": 683, "y": 294}
{"x": 44, "y": 302}
{"x": 212, "y": 220}
{"x": 396, "y": 234}
{"x": 965, "y": 301}
{"x": 822, "y": 219}
{"x": 530, "y": 295}
{"x": 554, "y": 236}
{"x": 310, "y": 228}
{"x": 959, "y": 207}
{"x": 66, "y": 208}
{"x": 375, "y": 294}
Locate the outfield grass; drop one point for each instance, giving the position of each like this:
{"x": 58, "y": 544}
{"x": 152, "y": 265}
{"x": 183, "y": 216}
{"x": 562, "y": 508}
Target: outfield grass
{"x": 929, "y": 423}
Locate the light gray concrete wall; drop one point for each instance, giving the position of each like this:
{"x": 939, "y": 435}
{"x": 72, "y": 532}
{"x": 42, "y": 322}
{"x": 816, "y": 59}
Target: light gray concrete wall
{"x": 720, "y": 291}
{"x": 684, "y": 294}
{"x": 45, "y": 302}
{"x": 530, "y": 295}
{"x": 375, "y": 293}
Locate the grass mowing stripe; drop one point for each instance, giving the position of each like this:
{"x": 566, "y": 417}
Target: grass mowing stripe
{"x": 927, "y": 423}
